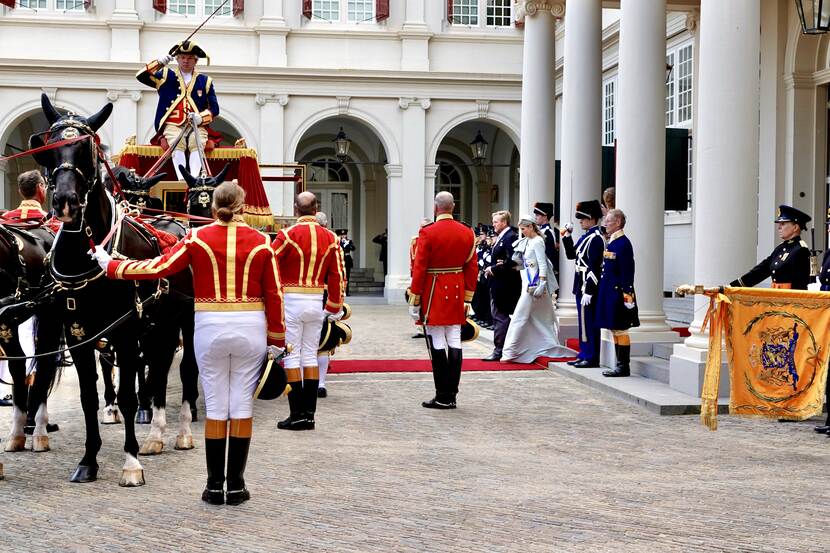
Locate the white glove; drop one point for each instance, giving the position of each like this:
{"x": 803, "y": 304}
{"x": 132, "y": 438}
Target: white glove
{"x": 415, "y": 312}
{"x": 468, "y": 309}
{"x": 567, "y": 228}
{"x": 628, "y": 301}
{"x": 334, "y": 316}
{"x": 539, "y": 291}
{"x": 165, "y": 59}
{"x": 196, "y": 118}
{"x": 101, "y": 256}
{"x": 586, "y": 300}
{"x": 274, "y": 351}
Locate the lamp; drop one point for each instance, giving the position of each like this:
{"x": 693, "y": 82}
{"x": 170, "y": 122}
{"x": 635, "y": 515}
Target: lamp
{"x": 479, "y": 148}
{"x": 341, "y": 145}
{"x": 814, "y": 16}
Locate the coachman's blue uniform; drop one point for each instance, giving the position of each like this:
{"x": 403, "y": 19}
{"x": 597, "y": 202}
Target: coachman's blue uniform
{"x": 616, "y": 287}
{"x": 176, "y": 98}
{"x": 587, "y": 254}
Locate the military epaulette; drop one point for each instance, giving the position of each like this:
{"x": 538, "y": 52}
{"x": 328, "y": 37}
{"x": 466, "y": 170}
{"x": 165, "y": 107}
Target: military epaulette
{"x": 804, "y": 244}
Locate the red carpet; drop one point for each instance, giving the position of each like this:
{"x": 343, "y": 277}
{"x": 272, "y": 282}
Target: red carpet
{"x": 344, "y": 366}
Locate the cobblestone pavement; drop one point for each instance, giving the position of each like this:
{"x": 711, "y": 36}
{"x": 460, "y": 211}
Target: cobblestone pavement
{"x": 530, "y": 462}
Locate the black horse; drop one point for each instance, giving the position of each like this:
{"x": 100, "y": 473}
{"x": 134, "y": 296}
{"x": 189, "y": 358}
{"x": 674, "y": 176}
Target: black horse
{"x": 86, "y": 303}
{"x": 200, "y": 193}
{"x": 23, "y": 249}
{"x": 171, "y": 315}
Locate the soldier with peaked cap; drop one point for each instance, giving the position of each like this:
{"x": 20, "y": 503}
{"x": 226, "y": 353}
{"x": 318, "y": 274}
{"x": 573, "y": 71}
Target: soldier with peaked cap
{"x": 789, "y": 263}
{"x": 587, "y": 255}
{"x": 543, "y": 212}
{"x": 444, "y": 277}
{"x": 185, "y": 96}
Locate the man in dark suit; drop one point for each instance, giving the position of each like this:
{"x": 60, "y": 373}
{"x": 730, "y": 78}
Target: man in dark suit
{"x": 504, "y": 280}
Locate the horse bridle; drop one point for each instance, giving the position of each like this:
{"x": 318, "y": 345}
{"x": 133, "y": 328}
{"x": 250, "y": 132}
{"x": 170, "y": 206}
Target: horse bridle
{"x": 202, "y": 189}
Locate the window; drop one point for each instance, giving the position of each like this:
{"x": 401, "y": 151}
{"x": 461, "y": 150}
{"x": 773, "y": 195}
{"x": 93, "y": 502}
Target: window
{"x": 499, "y": 13}
{"x": 679, "y": 87}
{"x": 212, "y": 5}
{"x": 326, "y": 10}
{"x": 328, "y": 171}
{"x": 465, "y": 12}
{"x": 32, "y": 4}
{"x": 361, "y": 10}
{"x": 69, "y": 5}
{"x": 182, "y": 7}
{"x": 609, "y": 100}
{"x": 449, "y": 180}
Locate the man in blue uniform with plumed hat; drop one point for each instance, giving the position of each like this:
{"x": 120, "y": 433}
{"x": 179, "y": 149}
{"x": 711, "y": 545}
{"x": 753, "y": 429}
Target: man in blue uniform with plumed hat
{"x": 186, "y": 97}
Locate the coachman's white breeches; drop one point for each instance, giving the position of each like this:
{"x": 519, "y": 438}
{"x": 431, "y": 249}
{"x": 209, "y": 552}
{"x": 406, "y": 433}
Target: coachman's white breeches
{"x": 444, "y": 336}
{"x": 230, "y": 348}
{"x": 303, "y": 325}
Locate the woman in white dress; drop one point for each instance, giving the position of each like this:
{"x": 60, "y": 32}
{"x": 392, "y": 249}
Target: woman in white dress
{"x": 533, "y": 331}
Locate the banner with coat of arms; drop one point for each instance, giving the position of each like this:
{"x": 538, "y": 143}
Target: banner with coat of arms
{"x": 777, "y": 348}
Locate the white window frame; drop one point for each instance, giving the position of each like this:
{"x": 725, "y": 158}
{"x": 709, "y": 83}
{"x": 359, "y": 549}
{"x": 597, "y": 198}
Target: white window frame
{"x": 50, "y": 7}
{"x": 343, "y": 6}
{"x": 482, "y": 18}
{"x": 200, "y": 13}
{"x": 609, "y": 125}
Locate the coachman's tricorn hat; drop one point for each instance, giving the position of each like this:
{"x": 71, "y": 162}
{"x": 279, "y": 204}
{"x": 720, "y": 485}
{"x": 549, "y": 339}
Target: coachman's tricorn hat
{"x": 469, "y": 331}
{"x": 788, "y": 214}
{"x": 543, "y": 208}
{"x": 588, "y": 210}
{"x": 189, "y": 47}
{"x": 335, "y": 333}
{"x": 272, "y": 380}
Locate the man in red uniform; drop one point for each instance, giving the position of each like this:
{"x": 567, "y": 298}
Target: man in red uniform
{"x": 444, "y": 276}
{"x": 32, "y": 189}
{"x": 310, "y": 260}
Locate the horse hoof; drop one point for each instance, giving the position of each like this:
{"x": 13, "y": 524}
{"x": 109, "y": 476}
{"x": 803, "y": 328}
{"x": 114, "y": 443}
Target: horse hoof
{"x": 111, "y": 415}
{"x": 85, "y": 473}
{"x": 40, "y": 444}
{"x": 184, "y": 442}
{"x": 17, "y": 443}
{"x": 131, "y": 478}
{"x": 151, "y": 447}
{"x": 144, "y": 416}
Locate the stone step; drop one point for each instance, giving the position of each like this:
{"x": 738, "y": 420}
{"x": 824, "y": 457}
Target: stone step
{"x": 653, "y": 368}
{"x": 353, "y": 288}
{"x": 365, "y": 279}
{"x": 663, "y": 351}
{"x": 655, "y": 396}
{"x": 679, "y": 311}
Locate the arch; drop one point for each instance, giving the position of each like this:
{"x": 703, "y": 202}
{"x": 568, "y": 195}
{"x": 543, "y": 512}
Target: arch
{"x": 379, "y": 129}
{"x": 497, "y": 120}
{"x": 25, "y": 110}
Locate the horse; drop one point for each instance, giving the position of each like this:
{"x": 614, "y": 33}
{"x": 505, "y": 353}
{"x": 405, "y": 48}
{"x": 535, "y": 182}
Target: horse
{"x": 200, "y": 193}
{"x": 23, "y": 249}
{"x": 85, "y": 304}
{"x": 171, "y": 315}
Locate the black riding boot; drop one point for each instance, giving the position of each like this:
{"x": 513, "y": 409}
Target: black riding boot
{"x": 215, "y": 457}
{"x": 310, "y": 400}
{"x": 237, "y": 459}
{"x": 440, "y": 376}
{"x": 623, "y": 362}
{"x": 296, "y": 418}
{"x": 454, "y": 360}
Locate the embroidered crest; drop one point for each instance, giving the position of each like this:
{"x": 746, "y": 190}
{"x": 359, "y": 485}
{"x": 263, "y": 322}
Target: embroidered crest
{"x": 6, "y": 333}
{"x": 77, "y": 331}
{"x": 775, "y": 358}
{"x": 69, "y": 132}
{"x": 204, "y": 199}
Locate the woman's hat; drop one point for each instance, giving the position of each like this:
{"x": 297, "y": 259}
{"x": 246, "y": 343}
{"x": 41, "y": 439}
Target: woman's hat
{"x": 527, "y": 219}
{"x": 272, "y": 380}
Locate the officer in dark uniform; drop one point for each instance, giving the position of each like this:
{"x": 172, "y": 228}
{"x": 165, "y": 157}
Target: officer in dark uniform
{"x": 824, "y": 280}
{"x": 544, "y": 213}
{"x": 587, "y": 254}
{"x": 789, "y": 263}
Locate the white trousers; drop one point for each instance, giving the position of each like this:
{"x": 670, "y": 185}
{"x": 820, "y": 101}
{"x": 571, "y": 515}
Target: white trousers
{"x": 303, "y": 325}
{"x": 229, "y": 348}
{"x": 443, "y": 336}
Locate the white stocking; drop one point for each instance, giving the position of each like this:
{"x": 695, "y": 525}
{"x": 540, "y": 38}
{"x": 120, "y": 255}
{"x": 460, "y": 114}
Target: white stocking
{"x": 178, "y": 159}
{"x": 323, "y": 366}
{"x": 195, "y": 164}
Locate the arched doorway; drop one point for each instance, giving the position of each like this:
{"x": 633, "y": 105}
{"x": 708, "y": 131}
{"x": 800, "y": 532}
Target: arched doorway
{"x": 480, "y": 186}
{"x": 351, "y": 189}
{"x": 13, "y": 141}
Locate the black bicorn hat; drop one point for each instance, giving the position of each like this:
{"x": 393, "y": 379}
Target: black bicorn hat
{"x": 189, "y": 47}
{"x": 589, "y": 209}
{"x": 789, "y": 214}
{"x": 543, "y": 208}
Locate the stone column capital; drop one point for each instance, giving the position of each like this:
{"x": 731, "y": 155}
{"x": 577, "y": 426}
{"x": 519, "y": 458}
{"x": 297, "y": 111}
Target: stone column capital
{"x": 51, "y": 93}
{"x": 393, "y": 170}
{"x": 113, "y": 95}
{"x": 405, "y": 103}
{"x": 529, "y": 8}
{"x": 483, "y": 107}
{"x": 430, "y": 171}
{"x": 263, "y": 99}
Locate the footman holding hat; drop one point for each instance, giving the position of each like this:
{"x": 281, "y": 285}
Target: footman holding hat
{"x": 587, "y": 255}
{"x": 185, "y": 96}
{"x": 544, "y": 213}
{"x": 789, "y": 263}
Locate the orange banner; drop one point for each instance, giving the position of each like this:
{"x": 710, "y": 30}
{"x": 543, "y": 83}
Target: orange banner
{"x": 776, "y": 344}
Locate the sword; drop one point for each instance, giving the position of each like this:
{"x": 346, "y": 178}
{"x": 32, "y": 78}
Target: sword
{"x": 426, "y": 316}
{"x": 200, "y": 148}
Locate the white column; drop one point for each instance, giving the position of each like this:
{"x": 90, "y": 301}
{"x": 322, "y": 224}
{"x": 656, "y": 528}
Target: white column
{"x": 4, "y": 167}
{"x": 581, "y": 148}
{"x": 272, "y": 31}
{"x": 415, "y": 38}
{"x": 538, "y": 133}
{"x": 727, "y": 165}
{"x": 271, "y": 142}
{"x": 406, "y": 194}
{"x": 124, "y": 27}
{"x": 124, "y": 119}
{"x": 429, "y": 190}
{"x": 641, "y": 152}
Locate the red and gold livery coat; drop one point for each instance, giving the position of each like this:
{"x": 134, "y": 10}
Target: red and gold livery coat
{"x": 30, "y": 211}
{"x": 310, "y": 260}
{"x": 234, "y": 269}
{"x": 445, "y": 271}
